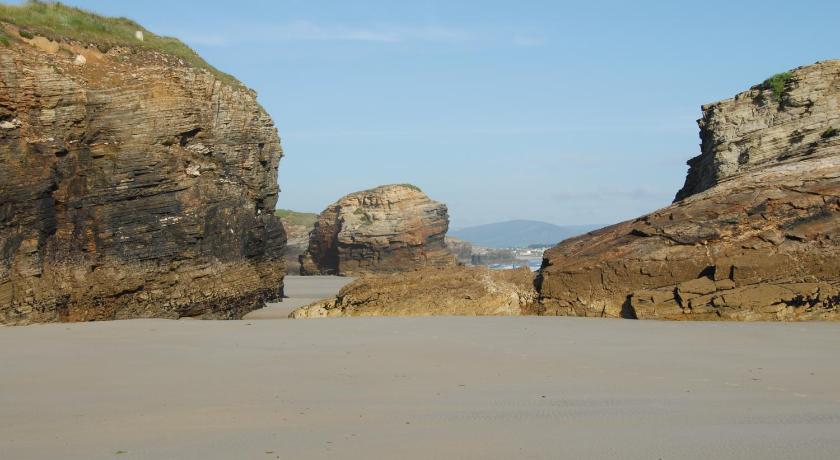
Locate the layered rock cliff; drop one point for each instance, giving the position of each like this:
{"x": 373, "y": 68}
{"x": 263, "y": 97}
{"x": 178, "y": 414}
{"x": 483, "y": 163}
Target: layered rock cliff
{"x": 132, "y": 184}
{"x": 785, "y": 118}
{"x": 462, "y": 291}
{"x": 386, "y": 229}
{"x": 754, "y": 235}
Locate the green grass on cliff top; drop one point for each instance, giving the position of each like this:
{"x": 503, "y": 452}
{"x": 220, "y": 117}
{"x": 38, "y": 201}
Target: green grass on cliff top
{"x": 777, "y": 84}
{"x": 57, "y": 21}
{"x": 297, "y": 218}
{"x": 411, "y": 186}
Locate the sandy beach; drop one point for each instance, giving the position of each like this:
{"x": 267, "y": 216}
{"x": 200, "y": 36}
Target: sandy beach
{"x": 419, "y": 388}
{"x": 560, "y": 230}
{"x": 301, "y": 290}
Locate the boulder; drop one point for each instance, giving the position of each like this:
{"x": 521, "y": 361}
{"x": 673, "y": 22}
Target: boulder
{"x": 386, "y": 229}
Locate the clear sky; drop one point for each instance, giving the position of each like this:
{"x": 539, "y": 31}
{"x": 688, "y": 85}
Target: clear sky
{"x": 568, "y": 112}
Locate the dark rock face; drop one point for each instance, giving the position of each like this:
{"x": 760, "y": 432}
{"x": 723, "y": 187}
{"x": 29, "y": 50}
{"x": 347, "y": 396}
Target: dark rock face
{"x": 390, "y": 228}
{"x": 134, "y": 187}
{"x": 756, "y": 241}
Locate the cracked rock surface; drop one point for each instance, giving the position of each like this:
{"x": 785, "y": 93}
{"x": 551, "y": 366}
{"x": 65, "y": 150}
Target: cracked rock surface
{"x": 754, "y": 235}
{"x": 132, "y": 186}
{"x": 432, "y": 291}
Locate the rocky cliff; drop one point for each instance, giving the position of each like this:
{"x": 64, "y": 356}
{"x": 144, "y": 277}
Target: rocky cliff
{"x": 754, "y": 235}
{"x": 785, "y": 118}
{"x": 462, "y": 291}
{"x": 386, "y": 229}
{"x": 132, "y": 184}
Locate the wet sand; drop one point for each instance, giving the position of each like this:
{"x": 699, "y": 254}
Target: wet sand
{"x": 301, "y": 290}
{"x": 419, "y": 388}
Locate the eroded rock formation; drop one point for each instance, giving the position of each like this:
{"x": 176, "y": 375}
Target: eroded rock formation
{"x": 462, "y": 250}
{"x": 132, "y": 185}
{"x": 759, "y": 128}
{"x": 462, "y": 291}
{"x": 755, "y": 234}
{"x": 386, "y": 229}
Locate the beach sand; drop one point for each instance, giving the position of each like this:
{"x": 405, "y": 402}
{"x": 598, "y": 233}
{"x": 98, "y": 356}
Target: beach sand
{"x": 420, "y": 388}
{"x": 301, "y": 290}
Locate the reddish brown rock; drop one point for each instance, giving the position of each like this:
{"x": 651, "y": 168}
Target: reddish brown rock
{"x": 132, "y": 185}
{"x": 756, "y": 235}
{"x": 386, "y": 229}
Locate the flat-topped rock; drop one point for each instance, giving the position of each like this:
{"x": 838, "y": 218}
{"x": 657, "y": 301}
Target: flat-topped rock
{"x": 434, "y": 291}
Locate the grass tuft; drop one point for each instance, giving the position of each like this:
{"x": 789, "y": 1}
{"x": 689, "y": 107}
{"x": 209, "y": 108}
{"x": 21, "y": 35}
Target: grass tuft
{"x": 777, "y": 84}
{"x": 829, "y": 133}
{"x": 59, "y": 22}
{"x": 411, "y": 186}
{"x": 366, "y": 220}
{"x": 297, "y": 218}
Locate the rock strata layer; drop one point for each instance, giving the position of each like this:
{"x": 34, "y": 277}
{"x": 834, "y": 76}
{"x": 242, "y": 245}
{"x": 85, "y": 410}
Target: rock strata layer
{"x": 759, "y": 128}
{"x": 462, "y": 291}
{"x": 132, "y": 185}
{"x": 386, "y": 229}
{"x": 755, "y": 234}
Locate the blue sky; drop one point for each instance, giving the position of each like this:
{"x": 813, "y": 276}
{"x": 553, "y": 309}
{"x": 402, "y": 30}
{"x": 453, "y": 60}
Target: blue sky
{"x": 567, "y": 112}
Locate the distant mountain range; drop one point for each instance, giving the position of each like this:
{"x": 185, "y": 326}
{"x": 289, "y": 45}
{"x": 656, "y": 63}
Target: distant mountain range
{"x": 519, "y": 233}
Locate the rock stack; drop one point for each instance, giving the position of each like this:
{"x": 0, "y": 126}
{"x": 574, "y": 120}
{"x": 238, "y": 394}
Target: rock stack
{"x": 390, "y": 228}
